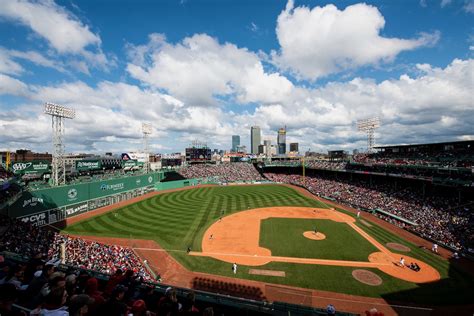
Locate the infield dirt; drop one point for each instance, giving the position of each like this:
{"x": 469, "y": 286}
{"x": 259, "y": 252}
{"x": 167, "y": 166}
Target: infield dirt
{"x": 224, "y": 240}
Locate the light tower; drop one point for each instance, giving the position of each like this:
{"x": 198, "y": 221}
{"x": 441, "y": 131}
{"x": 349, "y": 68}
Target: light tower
{"x": 369, "y": 126}
{"x": 146, "y": 130}
{"x": 58, "y": 114}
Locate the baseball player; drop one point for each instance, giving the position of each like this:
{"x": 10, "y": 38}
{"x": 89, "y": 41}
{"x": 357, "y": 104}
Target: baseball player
{"x": 402, "y": 262}
{"x": 234, "y": 268}
{"x": 315, "y": 230}
{"x": 211, "y": 237}
{"x": 358, "y": 214}
{"x": 435, "y": 248}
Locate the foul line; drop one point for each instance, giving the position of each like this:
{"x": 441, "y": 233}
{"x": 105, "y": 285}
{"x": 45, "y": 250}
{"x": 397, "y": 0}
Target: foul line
{"x": 340, "y": 263}
{"x": 155, "y": 249}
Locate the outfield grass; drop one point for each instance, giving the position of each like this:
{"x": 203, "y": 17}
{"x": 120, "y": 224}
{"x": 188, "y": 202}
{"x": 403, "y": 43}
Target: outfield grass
{"x": 342, "y": 242}
{"x": 179, "y": 219}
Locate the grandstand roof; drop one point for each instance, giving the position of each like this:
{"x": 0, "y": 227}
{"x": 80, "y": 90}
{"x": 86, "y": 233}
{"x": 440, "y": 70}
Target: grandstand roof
{"x": 464, "y": 143}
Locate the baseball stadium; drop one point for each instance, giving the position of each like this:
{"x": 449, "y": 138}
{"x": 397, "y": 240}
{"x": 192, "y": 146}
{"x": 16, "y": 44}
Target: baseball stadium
{"x": 295, "y": 236}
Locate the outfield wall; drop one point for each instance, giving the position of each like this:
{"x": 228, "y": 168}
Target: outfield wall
{"x": 51, "y": 205}
{"x": 176, "y": 184}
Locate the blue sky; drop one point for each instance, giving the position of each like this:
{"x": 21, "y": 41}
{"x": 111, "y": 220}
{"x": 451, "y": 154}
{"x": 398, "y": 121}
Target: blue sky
{"x": 209, "y": 69}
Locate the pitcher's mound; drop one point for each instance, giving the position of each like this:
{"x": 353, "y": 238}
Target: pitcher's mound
{"x": 314, "y": 236}
{"x": 398, "y": 247}
{"x": 366, "y": 277}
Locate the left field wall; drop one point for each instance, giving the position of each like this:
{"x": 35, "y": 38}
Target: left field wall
{"x": 51, "y": 205}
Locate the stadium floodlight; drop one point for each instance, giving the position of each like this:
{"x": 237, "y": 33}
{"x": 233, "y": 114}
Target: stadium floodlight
{"x": 58, "y": 114}
{"x": 146, "y": 130}
{"x": 59, "y": 110}
{"x": 369, "y": 126}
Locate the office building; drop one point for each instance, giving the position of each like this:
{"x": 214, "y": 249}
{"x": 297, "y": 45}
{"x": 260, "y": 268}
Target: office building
{"x": 281, "y": 141}
{"x": 268, "y": 144}
{"x": 235, "y": 142}
{"x": 255, "y": 139}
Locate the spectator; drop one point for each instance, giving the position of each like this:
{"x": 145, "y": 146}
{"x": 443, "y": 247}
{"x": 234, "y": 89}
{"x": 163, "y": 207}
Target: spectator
{"x": 168, "y": 304}
{"x": 92, "y": 289}
{"x": 188, "y": 305}
{"x": 54, "y": 304}
{"x": 114, "y": 280}
{"x": 115, "y": 305}
{"x": 8, "y": 296}
{"x": 79, "y": 305}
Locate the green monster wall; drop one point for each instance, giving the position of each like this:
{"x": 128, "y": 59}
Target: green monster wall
{"x": 49, "y": 205}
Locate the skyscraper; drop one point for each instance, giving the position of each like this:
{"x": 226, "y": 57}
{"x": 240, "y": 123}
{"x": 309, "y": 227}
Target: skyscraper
{"x": 281, "y": 141}
{"x": 235, "y": 142}
{"x": 255, "y": 139}
{"x": 268, "y": 146}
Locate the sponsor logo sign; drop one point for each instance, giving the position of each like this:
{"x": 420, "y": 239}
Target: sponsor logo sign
{"x": 33, "y": 201}
{"x": 76, "y": 209}
{"x": 38, "y": 219}
{"x": 19, "y": 166}
{"x": 88, "y": 164}
{"x": 34, "y": 167}
{"x": 129, "y": 163}
{"x": 72, "y": 194}
{"x": 112, "y": 187}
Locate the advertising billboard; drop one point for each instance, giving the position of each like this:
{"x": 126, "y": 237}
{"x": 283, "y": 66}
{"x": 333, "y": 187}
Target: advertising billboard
{"x": 37, "y": 167}
{"x": 88, "y": 165}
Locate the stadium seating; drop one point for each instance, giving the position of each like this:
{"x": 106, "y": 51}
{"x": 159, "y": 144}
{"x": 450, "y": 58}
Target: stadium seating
{"x": 225, "y": 172}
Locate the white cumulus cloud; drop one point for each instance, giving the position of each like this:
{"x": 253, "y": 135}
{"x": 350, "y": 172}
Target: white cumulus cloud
{"x": 12, "y": 86}
{"x": 324, "y": 40}
{"x": 63, "y": 31}
{"x": 200, "y": 68}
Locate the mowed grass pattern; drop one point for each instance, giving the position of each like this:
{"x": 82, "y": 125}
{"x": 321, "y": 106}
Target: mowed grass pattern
{"x": 177, "y": 220}
{"x": 342, "y": 242}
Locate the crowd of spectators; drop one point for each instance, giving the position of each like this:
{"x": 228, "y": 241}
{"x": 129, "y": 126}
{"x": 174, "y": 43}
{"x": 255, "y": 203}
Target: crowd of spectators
{"x": 46, "y": 290}
{"x": 324, "y": 164}
{"x": 224, "y": 172}
{"x": 96, "y": 256}
{"x": 25, "y": 239}
{"x": 437, "y": 159}
{"x": 435, "y": 216}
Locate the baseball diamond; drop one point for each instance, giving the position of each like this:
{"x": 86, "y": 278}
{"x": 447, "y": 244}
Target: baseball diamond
{"x": 263, "y": 226}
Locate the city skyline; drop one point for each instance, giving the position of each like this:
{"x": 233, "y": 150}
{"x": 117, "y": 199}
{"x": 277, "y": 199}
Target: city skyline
{"x": 212, "y": 69}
